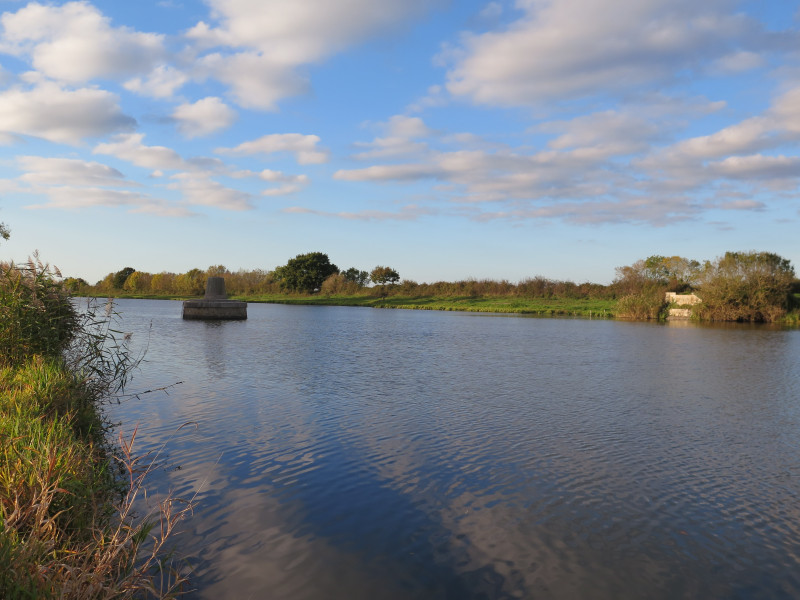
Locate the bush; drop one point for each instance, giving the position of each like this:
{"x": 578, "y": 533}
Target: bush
{"x": 642, "y": 306}
{"x": 36, "y": 316}
{"x": 746, "y": 286}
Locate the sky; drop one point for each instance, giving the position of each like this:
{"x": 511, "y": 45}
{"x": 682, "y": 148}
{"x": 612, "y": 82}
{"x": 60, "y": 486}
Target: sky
{"x": 446, "y": 139}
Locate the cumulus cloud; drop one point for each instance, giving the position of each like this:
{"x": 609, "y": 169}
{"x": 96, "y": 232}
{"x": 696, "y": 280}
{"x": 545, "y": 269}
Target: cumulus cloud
{"x": 203, "y": 117}
{"x": 256, "y": 81}
{"x": 199, "y": 189}
{"x": 401, "y": 133}
{"x": 41, "y": 170}
{"x": 59, "y": 115}
{"x": 758, "y": 167}
{"x": 304, "y": 147}
{"x": 609, "y": 133}
{"x": 130, "y": 147}
{"x": 161, "y": 82}
{"x": 259, "y": 46}
{"x": 607, "y": 166}
{"x": 407, "y": 172}
{"x": 76, "y": 43}
{"x": 82, "y": 197}
{"x": 576, "y": 48}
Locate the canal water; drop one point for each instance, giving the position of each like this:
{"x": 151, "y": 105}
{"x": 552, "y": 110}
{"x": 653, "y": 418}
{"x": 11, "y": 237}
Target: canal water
{"x": 353, "y": 453}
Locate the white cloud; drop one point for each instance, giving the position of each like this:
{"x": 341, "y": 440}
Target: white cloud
{"x": 576, "y": 48}
{"x": 407, "y": 127}
{"x": 58, "y": 115}
{"x": 261, "y": 45}
{"x": 786, "y": 110}
{"x": 200, "y": 189}
{"x": 283, "y": 190}
{"x": 401, "y": 131}
{"x": 79, "y": 197}
{"x": 256, "y": 80}
{"x": 129, "y": 147}
{"x": 291, "y": 183}
{"x": 162, "y": 82}
{"x": 76, "y": 43}
{"x": 409, "y": 172}
{"x": 296, "y": 32}
{"x": 203, "y": 117}
{"x": 746, "y": 136}
{"x": 607, "y": 133}
{"x": 740, "y": 61}
{"x": 304, "y": 147}
{"x": 279, "y": 177}
{"x": 758, "y": 167}
{"x": 41, "y": 170}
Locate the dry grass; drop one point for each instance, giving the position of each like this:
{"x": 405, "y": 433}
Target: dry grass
{"x": 67, "y": 494}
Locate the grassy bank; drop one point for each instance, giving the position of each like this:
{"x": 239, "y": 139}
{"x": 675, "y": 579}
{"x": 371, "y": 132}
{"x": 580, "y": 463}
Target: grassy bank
{"x": 579, "y": 307}
{"x": 66, "y": 492}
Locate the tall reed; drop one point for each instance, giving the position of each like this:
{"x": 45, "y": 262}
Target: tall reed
{"x": 66, "y": 491}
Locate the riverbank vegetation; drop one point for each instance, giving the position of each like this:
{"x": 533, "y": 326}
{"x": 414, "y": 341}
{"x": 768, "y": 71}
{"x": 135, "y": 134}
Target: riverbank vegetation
{"x": 66, "y": 492}
{"x": 739, "y": 286}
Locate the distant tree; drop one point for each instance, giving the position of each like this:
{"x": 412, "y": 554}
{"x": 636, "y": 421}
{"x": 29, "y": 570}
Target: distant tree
{"x": 360, "y": 278}
{"x": 191, "y": 283}
{"x": 138, "y": 281}
{"x": 217, "y": 271}
{"x": 76, "y": 285}
{"x": 305, "y": 272}
{"x": 163, "y": 283}
{"x": 657, "y": 274}
{"x": 120, "y": 277}
{"x": 5, "y": 232}
{"x": 382, "y": 275}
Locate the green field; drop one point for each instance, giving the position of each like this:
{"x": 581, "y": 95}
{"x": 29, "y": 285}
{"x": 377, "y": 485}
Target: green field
{"x": 533, "y": 306}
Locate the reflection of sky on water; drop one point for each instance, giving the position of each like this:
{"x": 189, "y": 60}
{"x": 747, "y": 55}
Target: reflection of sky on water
{"x": 353, "y": 453}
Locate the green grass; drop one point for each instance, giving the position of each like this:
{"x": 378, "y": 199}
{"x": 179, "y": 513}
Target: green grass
{"x": 66, "y": 493}
{"x": 532, "y": 306}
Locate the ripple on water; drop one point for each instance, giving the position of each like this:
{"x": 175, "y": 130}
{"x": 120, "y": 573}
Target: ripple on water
{"x": 350, "y": 453}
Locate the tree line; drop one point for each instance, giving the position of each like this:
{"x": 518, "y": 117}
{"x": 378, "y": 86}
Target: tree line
{"x": 744, "y": 286}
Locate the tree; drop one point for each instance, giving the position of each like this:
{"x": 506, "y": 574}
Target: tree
{"x": 5, "y": 232}
{"x": 305, "y": 272}
{"x": 191, "y": 283}
{"x": 76, "y": 285}
{"x": 382, "y": 275}
{"x": 138, "y": 282}
{"x": 120, "y": 277}
{"x": 656, "y": 274}
{"x": 217, "y": 271}
{"x": 360, "y": 278}
{"x": 746, "y": 286}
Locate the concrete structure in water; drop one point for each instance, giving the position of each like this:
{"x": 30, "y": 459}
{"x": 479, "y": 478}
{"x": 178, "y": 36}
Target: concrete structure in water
{"x": 215, "y": 304}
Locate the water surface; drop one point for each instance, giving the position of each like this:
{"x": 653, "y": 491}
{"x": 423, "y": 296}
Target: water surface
{"x": 346, "y": 453}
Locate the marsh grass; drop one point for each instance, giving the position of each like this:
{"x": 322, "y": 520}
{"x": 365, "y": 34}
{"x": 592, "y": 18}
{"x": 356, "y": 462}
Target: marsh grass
{"x": 644, "y": 306}
{"x": 66, "y": 492}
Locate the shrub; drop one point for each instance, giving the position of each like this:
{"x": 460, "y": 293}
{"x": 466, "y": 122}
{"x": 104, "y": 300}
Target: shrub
{"x": 36, "y": 316}
{"x": 746, "y": 286}
{"x": 642, "y": 306}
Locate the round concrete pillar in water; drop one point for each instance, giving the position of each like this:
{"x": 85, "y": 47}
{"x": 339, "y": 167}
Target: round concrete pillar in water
{"x": 215, "y": 288}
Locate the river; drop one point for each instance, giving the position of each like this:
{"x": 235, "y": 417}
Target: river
{"x": 353, "y": 453}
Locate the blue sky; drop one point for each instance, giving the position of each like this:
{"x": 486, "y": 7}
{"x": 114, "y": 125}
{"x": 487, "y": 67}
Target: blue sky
{"x": 448, "y": 140}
